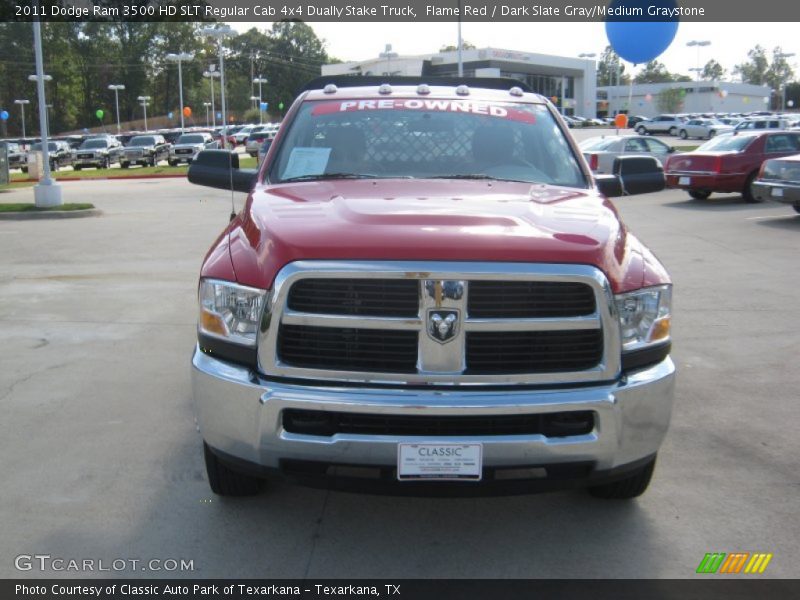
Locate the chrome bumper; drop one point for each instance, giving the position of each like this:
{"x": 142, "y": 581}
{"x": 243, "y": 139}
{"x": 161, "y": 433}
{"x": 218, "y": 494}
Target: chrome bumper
{"x": 240, "y": 415}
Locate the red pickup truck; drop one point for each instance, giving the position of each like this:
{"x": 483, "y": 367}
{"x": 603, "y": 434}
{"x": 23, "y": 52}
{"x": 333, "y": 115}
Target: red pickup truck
{"x": 427, "y": 292}
{"x": 729, "y": 163}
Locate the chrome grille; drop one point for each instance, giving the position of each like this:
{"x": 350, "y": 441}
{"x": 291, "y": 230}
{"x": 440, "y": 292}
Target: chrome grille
{"x": 441, "y": 323}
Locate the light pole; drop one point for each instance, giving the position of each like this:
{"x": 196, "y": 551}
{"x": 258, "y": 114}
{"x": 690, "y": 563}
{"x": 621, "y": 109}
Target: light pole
{"x": 179, "y": 58}
{"x": 211, "y": 74}
{"x": 389, "y": 55}
{"x": 784, "y": 55}
{"x": 117, "y": 88}
{"x": 221, "y": 33}
{"x": 207, "y": 105}
{"x": 22, "y": 104}
{"x": 46, "y": 192}
{"x": 144, "y": 101}
{"x": 697, "y": 70}
{"x": 590, "y": 56}
{"x": 698, "y": 44}
{"x": 34, "y": 79}
{"x": 259, "y": 80}
{"x": 254, "y": 100}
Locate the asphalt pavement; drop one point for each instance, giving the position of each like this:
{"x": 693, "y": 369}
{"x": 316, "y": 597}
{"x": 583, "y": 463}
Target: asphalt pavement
{"x": 102, "y": 459}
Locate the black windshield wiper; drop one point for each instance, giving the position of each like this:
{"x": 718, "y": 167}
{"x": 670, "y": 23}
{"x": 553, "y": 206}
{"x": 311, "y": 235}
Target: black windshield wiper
{"x": 475, "y": 176}
{"x": 321, "y": 176}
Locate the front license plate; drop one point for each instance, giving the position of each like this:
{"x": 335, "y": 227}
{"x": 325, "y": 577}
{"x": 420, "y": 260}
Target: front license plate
{"x": 777, "y": 192}
{"x": 684, "y": 181}
{"x": 462, "y": 462}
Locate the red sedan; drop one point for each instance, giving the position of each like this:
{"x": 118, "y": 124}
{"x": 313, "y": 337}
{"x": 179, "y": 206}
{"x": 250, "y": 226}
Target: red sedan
{"x": 728, "y": 163}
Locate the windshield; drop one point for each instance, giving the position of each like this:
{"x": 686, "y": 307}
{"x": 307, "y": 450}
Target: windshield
{"x": 727, "y": 143}
{"x": 191, "y": 139}
{"x": 143, "y": 140}
{"x": 90, "y": 144}
{"x": 426, "y": 138}
{"x": 598, "y": 143}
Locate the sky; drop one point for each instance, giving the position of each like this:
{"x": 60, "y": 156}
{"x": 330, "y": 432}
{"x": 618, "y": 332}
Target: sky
{"x": 729, "y": 41}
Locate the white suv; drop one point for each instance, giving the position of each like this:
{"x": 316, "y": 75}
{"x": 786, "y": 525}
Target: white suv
{"x": 670, "y": 124}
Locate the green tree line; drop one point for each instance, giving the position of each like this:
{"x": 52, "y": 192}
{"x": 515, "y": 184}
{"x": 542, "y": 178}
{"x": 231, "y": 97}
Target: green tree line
{"x": 85, "y": 58}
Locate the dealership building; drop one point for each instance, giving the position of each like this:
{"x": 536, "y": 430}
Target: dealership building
{"x": 568, "y": 82}
{"x": 694, "y": 97}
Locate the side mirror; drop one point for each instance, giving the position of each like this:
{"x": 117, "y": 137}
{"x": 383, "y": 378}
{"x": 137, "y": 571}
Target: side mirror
{"x": 609, "y": 185}
{"x": 671, "y": 150}
{"x": 220, "y": 169}
{"x": 639, "y": 174}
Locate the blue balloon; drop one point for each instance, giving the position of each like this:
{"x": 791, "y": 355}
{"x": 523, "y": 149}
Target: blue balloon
{"x": 219, "y": 115}
{"x": 264, "y": 105}
{"x": 4, "y": 115}
{"x": 169, "y": 116}
{"x": 640, "y": 38}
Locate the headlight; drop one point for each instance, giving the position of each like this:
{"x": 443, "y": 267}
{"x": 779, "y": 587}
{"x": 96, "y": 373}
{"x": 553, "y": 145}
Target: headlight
{"x": 644, "y": 317}
{"x": 229, "y": 311}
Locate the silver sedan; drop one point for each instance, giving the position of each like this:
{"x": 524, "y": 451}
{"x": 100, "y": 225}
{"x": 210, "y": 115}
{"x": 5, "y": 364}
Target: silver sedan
{"x": 601, "y": 151}
{"x": 703, "y": 128}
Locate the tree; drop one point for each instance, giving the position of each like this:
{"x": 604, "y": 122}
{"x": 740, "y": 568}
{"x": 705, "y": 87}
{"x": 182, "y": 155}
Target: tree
{"x": 654, "y": 72}
{"x": 610, "y": 70}
{"x": 465, "y": 45}
{"x": 713, "y": 71}
{"x": 755, "y": 69}
{"x": 670, "y": 100}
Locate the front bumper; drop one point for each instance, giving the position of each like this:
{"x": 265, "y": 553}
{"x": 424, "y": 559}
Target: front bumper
{"x": 183, "y": 157}
{"x": 777, "y": 191}
{"x": 240, "y": 417}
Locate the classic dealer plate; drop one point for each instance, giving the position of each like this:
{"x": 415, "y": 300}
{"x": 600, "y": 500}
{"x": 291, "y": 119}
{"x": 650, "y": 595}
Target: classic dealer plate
{"x": 684, "y": 181}
{"x": 777, "y": 192}
{"x": 463, "y": 462}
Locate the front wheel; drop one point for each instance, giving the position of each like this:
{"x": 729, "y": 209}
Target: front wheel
{"x": 711, "y": 134}
{"x": 630, "y": 487}
{"x": 124, "y": 165}
{"x": 226, "y": 482}
{"x": 699, "y": 194}
{"x": 641, "y": 130}
{"x": 747, "y": 192}
{"x": 673, "y": 131}
{"x": 172, "y": 163}
{"x": 684, "y": 135}
{"x": 77, "y": 167}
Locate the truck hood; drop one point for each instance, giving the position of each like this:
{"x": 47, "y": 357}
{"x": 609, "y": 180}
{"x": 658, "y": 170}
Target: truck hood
{"x": 444, "y": 220}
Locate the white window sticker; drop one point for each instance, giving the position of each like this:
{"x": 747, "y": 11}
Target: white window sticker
{"x": 306, "y": 161}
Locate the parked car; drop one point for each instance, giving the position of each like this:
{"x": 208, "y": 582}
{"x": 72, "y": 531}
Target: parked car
{"x": 255, "y": 140}
{"x": 16, "y": 157}
{"x": 188, "y": 145}
{"x": 756, "y": 124}
{"x": 145, "y": 150}
{"x": 59, "y": 153}
{"x": 391, "y": 268}
{"x": 670, "y": 124}
{"x": 263, "y": 149}
{"x": 633, "y": 121}
{"x": 779, "y": 180}
{"x": 703, "y": 128}
{"x": 600, "y": 152}
{"x": 100, "y": 152}
{"x": 728, "y": 163}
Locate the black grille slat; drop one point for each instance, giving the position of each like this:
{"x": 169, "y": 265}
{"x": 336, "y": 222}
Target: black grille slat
{"x": 533, "y": 351}
{"x": 529, "y": 299}
{"x": 314, "y": 422}
{"x": 348, "y": 349}
{"x": 366, "y": 297}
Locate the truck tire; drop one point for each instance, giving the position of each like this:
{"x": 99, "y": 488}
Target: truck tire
{"x": 77, "y": 167}
{"x": 699, "y": 194}
{"x": 747, "y": 192}
{"x": 226, "y": 482}
{"x": 124, "y": 165}
{"x": 630, "y": 487}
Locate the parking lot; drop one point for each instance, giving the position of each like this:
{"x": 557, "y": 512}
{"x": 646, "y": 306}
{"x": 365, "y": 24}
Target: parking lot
{"x": 102, "y": 459}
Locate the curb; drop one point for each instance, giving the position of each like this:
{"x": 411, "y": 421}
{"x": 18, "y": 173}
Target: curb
{"x": 50, "y": 214}
{"x": 59, "y": 179}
